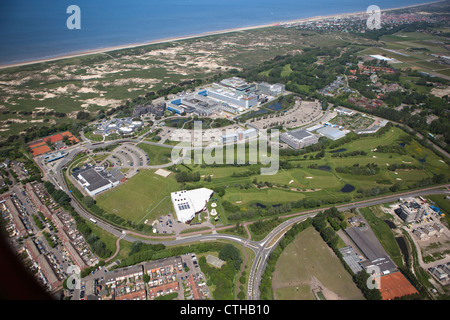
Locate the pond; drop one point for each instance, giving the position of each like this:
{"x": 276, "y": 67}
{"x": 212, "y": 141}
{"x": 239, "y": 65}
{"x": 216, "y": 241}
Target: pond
{"x": 348, "y": 188}
{"x": 390, "y": 224}
{"x": 324, "y": 168}
{"x": 404, "y": 249}
{"x": 260, "y": 205}
{"x": 275, "y": 106}
{"x": 253, "y": 114}
{"x": 339, "y": 150}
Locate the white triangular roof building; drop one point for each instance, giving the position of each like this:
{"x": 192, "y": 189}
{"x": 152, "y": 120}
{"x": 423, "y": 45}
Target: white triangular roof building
{"x": 189, "y": 202}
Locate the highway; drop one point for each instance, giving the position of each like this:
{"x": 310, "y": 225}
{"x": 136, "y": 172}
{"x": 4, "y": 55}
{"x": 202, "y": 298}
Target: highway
{"x": 262, "y": 249}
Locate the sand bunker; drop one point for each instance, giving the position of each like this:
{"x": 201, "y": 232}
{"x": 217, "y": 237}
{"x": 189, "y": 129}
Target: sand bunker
{"x": 162, "y": 172}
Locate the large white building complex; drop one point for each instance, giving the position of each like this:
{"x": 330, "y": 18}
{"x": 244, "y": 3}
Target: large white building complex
{"x": 187, "y": 203}
{"x": 298, "y": 138}
{"x": 240, "y": 135}
{"x": 117, "y": 126}
{"x": 232, "y": 95}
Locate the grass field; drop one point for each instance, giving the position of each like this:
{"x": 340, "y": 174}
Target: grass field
{"x": 306, "y": 262}
{"x": 443, "y": 204}
{"x": 156, "y": 154}
{"x": 413, "y": 50}
{"x": 144, "y": 196}
{"x": 315, "y": 183}
{"x": 375, "y": 217}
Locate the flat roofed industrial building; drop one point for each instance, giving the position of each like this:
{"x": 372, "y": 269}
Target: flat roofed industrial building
{"x": 331, "y": 133}
{"x": 299, "y": 138}
{"x": 351, "y": 258}
{"x": 240, "y": 135}
{"x": 95, "y": 179}
{"x": 271, "y": 89}
{"x": 187, "y": 203}
{"x": 234, "y": 98}
{"x": 374, "y": 252}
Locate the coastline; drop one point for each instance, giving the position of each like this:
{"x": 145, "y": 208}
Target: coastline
{"x": 200, "y": 35}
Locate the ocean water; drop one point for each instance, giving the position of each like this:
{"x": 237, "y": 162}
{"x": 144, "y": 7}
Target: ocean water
{"x": 36, "y": 29}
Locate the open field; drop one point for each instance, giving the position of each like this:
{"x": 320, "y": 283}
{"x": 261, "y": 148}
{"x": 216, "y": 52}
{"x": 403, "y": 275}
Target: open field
{"x": 308, "y": 264}
{"x": 156, "y": 154}
{"x": 442, "y": 203}
{"x": 145, "y": 196}
{"x": 414, "y": 50}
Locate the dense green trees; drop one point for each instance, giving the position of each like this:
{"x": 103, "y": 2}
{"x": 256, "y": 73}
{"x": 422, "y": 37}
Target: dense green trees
{"x": 222, "y": 279}
{"x": 361, "y": 279}
{"x": 58, "y": 195}
{"x": 232, "y": 255}
{"x": 369, "y": 169}
{"x": 149, "y": 252}
{"x": 184, "y": 176}
{"x": 262, "y": 227}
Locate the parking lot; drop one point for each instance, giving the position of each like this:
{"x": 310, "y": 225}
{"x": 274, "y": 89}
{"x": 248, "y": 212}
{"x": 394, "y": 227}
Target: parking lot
{"x": 300, "y": 114}
{"x": 128, "y": 156}
{"x": 166, "y": 224}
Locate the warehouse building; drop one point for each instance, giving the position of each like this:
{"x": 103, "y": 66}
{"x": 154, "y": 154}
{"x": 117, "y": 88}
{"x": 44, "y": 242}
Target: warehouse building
{"x": 351, "y": 258}
{"x": 298, "y": 138}
{"x": 233, "y": 97}
{"x": 187, "y": 203}
{"x": 240, "y": 135}
{"x": 55, "y": 156}
{"x": 344, "y": 111}
{"x": 271, "y": 89}
{"x": 200, "y": 105}
{"x": 95, "y": 180}
{"x": 331, "y": 133}
{"x": 372, "y": 249}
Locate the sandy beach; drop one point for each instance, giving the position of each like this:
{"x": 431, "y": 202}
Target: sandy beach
{"x": 159, "y": 41}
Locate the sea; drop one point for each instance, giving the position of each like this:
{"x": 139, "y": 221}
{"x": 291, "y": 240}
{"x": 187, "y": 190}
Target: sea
{"x": 37, "y": 29}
